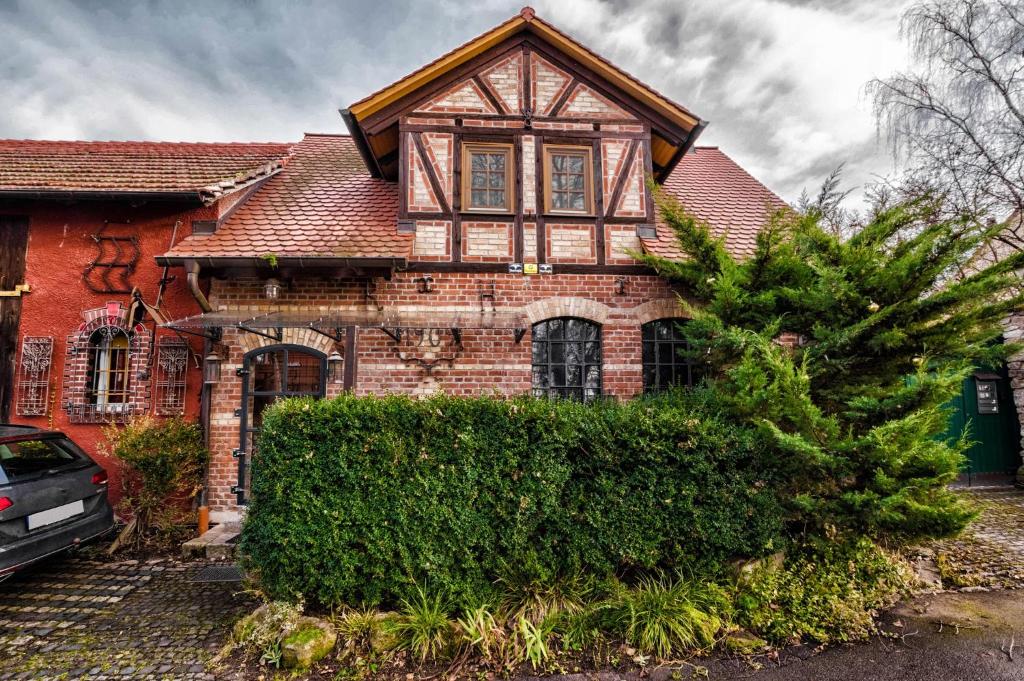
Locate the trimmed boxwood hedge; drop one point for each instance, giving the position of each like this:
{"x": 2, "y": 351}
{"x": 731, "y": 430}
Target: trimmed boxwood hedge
{"x": 357, "y": 499}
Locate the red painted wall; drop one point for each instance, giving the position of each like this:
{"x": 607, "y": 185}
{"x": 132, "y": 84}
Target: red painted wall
{"x": 60, "y": 247}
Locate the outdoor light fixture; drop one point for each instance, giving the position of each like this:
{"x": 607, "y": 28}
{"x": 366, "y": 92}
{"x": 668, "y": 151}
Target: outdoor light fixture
{"x": 334, "y": 364}
{"x": 211, "y": 369}
{"x": 620, "y": 286}
{"x": 272, "y": 289}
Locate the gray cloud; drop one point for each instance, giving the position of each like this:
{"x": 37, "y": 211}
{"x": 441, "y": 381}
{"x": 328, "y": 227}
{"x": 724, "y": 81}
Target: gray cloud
{"x": 780, "y": 80}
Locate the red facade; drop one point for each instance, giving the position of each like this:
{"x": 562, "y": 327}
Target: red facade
{"x": 475, "y": 234}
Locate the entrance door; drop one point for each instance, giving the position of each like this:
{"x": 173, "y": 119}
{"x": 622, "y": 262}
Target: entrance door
{"x": 269, "y": 374}
{"x": 13, "y": 242}
{"x": 985, "y": 404}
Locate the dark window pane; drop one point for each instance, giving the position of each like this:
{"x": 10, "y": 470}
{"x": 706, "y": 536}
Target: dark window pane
{"x": 558, "y": 353}
{"x": 577, "y": 201}
{"x": 558, "y": 163}
{"x": 497, "y": 199}
{"x": 665, "y": 375}
{"x": 565, "y": 363}
{"x": 497, "y": 162}
{"x": 575, "y": 164}
{"x": 479, "y": 180}
{"x": 666, "y": 361}
{"x": 540, "y": 352}
{"x": 479, "y": 161}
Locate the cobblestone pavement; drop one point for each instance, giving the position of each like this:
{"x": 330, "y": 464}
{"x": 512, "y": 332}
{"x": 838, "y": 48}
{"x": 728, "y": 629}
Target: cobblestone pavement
{"x": 75, "y": 618}
{"x": 989, "y": 553}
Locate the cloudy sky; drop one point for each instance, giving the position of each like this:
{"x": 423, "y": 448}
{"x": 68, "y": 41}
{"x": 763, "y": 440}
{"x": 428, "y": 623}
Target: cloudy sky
{"x": 781, "y": 81}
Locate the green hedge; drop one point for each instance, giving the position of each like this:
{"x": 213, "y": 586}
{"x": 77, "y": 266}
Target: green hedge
{"x": 356, "y": 500}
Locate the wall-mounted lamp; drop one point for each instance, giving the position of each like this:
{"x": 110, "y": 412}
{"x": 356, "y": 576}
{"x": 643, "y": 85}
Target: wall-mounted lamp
{"x": 335, "y": 362}
{"x": 272, "y": 289}
{"x": 620, "y": 286}
{"x": 211, "y": 369}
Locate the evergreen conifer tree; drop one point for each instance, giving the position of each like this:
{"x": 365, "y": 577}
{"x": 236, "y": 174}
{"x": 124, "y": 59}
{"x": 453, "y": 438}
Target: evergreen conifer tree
{"x": 855, "y": 411}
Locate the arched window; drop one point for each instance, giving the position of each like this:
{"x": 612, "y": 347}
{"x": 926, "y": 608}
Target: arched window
{"x": 665, "y": 361}
{"x": 567, "y": 358}
{"x": 108, "y": 374}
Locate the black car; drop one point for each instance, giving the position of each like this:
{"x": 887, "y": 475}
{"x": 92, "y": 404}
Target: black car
{"x": 52, "y": 496}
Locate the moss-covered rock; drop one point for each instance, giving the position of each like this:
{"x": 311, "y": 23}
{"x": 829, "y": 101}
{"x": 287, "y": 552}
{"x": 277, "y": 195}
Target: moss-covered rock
{"x": 310, "y": 641}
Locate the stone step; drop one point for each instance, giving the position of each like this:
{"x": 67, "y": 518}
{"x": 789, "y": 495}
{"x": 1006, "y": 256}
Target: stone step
{"x": 217, "y": 543}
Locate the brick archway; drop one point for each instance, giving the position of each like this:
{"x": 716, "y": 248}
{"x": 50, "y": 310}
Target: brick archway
{"x": 567, "y": 307}
{"x": 661, "y": 308}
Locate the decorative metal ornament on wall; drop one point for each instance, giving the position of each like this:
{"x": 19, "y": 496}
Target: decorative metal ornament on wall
{"x": 105, "y": 369}
{"x": 117, "y": 246}
{"x": 429, "y": 347}
{"x": 171, "y": 371}
{"x": 34, "y": 375}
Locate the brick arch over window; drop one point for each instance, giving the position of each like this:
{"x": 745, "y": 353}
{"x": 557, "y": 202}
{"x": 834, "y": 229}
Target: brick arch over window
{"x": 110, "y": 320}
{"x": 583, "y": 308}
{"x": 293, "y": 336}
{"x": 661, "y": 308}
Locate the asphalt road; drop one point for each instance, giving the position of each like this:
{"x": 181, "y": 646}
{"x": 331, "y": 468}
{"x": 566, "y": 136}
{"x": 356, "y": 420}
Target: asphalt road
{"x": 932, "y": 647}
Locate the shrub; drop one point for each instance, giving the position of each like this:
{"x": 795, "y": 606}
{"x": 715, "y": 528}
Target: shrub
{"x": 164, "y": 460}
{"x": 828, "y": 592}
{"x": 358, "y": 500}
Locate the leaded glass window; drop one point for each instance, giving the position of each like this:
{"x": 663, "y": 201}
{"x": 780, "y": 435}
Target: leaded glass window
{"x": 666, "y": 358}
{"x": 569, "y": 175}
{"x": 567, "y": 358}
{"x": 488, "y": 173}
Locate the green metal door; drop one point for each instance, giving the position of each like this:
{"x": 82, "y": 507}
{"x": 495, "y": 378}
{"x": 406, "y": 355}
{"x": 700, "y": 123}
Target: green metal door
{"x": 985, "y": 405}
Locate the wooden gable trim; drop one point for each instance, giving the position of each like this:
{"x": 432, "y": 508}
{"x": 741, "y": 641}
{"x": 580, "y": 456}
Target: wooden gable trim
{"x": 527, "y": 24}
{"x": 441, "y": 67}
{"x": 671, "y": 131}
{"x": 385, "y": 117}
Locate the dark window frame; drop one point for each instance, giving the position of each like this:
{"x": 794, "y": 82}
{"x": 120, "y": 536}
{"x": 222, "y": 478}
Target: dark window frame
{"x": 663, "y": 356}
{"x": 108, "y": 376}
{"x": 556, "y": 343}
{"x": 587, "y": 154}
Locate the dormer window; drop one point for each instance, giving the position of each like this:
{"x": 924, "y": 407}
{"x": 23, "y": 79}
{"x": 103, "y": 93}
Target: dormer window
{"x": 487, "y": 178}
{"x": 568, "y": 177}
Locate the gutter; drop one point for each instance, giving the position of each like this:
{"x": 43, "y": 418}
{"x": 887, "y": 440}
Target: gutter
{"x": 299, "y": 262}
{"x": 681, "y": 152}
{"x": 362, "y": 144}
{"x": 72, "y": 195}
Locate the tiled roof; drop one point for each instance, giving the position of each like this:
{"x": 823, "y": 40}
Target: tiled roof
{"x": 323, "y": 204}
{"x": 721, "y": 193}
{"x": 206, "y": 169}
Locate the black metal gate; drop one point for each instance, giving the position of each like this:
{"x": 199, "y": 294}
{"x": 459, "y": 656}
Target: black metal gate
{"x": 269, "y": 374}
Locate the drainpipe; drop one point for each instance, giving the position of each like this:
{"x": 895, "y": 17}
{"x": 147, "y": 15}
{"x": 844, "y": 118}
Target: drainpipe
{"x": 192, "y": 275}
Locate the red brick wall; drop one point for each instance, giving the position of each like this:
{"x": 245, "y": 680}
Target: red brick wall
{"x": 60, "y": 247}
{"x": 490, "y": 361}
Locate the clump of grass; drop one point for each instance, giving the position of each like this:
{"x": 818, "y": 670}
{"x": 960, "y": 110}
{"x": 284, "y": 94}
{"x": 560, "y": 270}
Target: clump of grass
{"x": 536, "y": 599}
{"x": 665, "y": 613}
{"x": 423, "y": 626}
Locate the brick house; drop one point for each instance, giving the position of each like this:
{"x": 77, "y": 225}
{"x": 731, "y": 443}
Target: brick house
{"x": 472, "y": 234}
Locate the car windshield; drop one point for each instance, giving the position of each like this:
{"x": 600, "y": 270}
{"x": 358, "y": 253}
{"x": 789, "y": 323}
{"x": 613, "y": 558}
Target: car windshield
{"x": 27, "y": 459}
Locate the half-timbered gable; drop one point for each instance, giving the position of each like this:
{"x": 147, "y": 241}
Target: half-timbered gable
{"x": 523, "y": 147}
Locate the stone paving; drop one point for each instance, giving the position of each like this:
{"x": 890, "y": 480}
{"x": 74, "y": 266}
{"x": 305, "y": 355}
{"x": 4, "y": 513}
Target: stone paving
{"x": 989, "y": 553}
{"x": 75, "y": 618}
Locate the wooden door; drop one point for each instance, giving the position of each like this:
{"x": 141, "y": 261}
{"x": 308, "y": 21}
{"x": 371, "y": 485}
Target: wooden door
{"x": 13, "y": 243}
